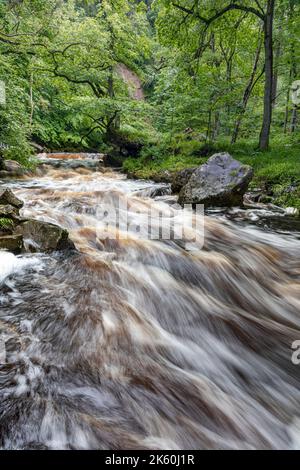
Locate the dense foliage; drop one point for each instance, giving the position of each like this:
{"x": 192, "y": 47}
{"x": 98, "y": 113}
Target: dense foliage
{"x": 213, "y": 74}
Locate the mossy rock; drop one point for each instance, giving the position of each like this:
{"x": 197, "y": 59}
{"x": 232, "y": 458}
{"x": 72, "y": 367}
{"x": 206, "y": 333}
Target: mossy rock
{"x": 12, "y": 243}
{"x": 222, "y": 181}
{"x": 42, "y": 236}
{"x": 9, "y": 211}
{"x": 6, "y": 225}
{"x": 7, "y": 197}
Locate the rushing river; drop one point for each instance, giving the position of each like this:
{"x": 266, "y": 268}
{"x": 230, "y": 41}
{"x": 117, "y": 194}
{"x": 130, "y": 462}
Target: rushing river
{"x": 147, "y": 344}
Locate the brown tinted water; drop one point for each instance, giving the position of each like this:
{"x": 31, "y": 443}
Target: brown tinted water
{"x": 136, "y": 343}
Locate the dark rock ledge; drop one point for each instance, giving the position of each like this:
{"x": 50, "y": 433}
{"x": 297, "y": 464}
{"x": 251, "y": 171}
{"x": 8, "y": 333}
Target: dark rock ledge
{"x": 20, "y": 235}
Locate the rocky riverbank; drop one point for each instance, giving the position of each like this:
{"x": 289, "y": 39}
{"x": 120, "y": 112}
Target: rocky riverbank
{"x": 276, "y": 173}
{"x": 18, "y": 234}
{"x": 222, "y": 182}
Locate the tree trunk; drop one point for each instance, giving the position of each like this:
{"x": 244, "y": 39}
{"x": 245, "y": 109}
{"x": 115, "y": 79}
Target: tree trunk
{"x": 31, "y": 102}
{"x": 216, "y": 126}
{"x": 268, "y": 43}
{"x": 292, "y": 75}
{"x": 113, "y": 122}
{"x": 294, "y": 118}
{"x": 247, "y": 93}
{"x": 287, "y": 104}
{"x": 208, "y": 131}
{"x": 277, "y": 60}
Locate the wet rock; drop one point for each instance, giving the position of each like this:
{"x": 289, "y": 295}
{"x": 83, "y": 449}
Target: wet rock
{"x": 71, "y": 156}
{"x": 265, "y": 199}
{"x": 159, "y": 191}
{"x": 42, "y": 236}
{"x": 181, "y": 178}
{"x": 17, "y": 234}
{"x": 4, "y": 174}
{"x": 90, "y": 164}
{"x": 9, "y": 211}
{"x": 12, "y": 243}
{"x": 114, "y": 160}
{"x": 13, "y": 167}
{"x": 286, "y": 224}
{"x": 7, "y": 197}
{"x": 222, "y": 181}
{"x": 164, "y": 176}
{"x": 10, "y": 168}
{"x": 37, "y": 147}
{"x": 251, "y": 197}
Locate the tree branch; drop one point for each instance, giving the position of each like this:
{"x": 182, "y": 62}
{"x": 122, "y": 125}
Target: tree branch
{"x": 260, "y": 7}
{"x": 220, "y": 13}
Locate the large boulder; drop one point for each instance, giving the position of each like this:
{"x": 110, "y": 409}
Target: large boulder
{"x": 221, "y": 181}
{"x": 156, "y": 191}
{"x": 10, "y": 168}
{"x": 181, "y": 178}
{"x": 7, "y": 197}
{"x": 9, "y": 211}
{"x": 113, "y": 159}
{"x": 42, "y": 236}
{"x": 18, "y": 234}
{"x": 164, "y": 176}
{"x": 12, "y": 243}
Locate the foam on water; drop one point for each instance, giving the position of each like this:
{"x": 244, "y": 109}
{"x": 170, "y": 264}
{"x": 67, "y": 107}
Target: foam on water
{"x": 10, "y": 264}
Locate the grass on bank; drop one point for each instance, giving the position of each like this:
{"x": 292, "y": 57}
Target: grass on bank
{"x": 5, "y": 223}
{"x": 277, "y": 171}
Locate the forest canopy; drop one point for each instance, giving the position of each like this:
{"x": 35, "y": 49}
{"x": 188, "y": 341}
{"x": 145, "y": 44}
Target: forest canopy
{"x": 167, "y": 76}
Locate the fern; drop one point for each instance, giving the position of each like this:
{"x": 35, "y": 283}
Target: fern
{"x": 5, "y": 223}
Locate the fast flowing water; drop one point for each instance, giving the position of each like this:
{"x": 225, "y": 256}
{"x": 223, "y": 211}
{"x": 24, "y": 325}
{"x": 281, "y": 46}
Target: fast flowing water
{"x": 146, "y": 344}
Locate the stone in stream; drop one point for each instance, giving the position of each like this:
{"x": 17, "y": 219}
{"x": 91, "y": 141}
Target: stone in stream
{"x": 164, "y": 176}
{"x": 181, "y": 178}
{"x": 8, "y": 211}
{"x": 7, "y": 197}
{"x": 159, "y": 191}
{"x": 11, "y": 168}
{"x": 39, "y": 236}
{"x": 221, "y": 181}
{"x": 90, "y": 164}
{"x": 12, "y": 243}
{"x": 42, "y": 236}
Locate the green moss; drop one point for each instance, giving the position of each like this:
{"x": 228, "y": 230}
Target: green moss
{"x": 6, "y": 223}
